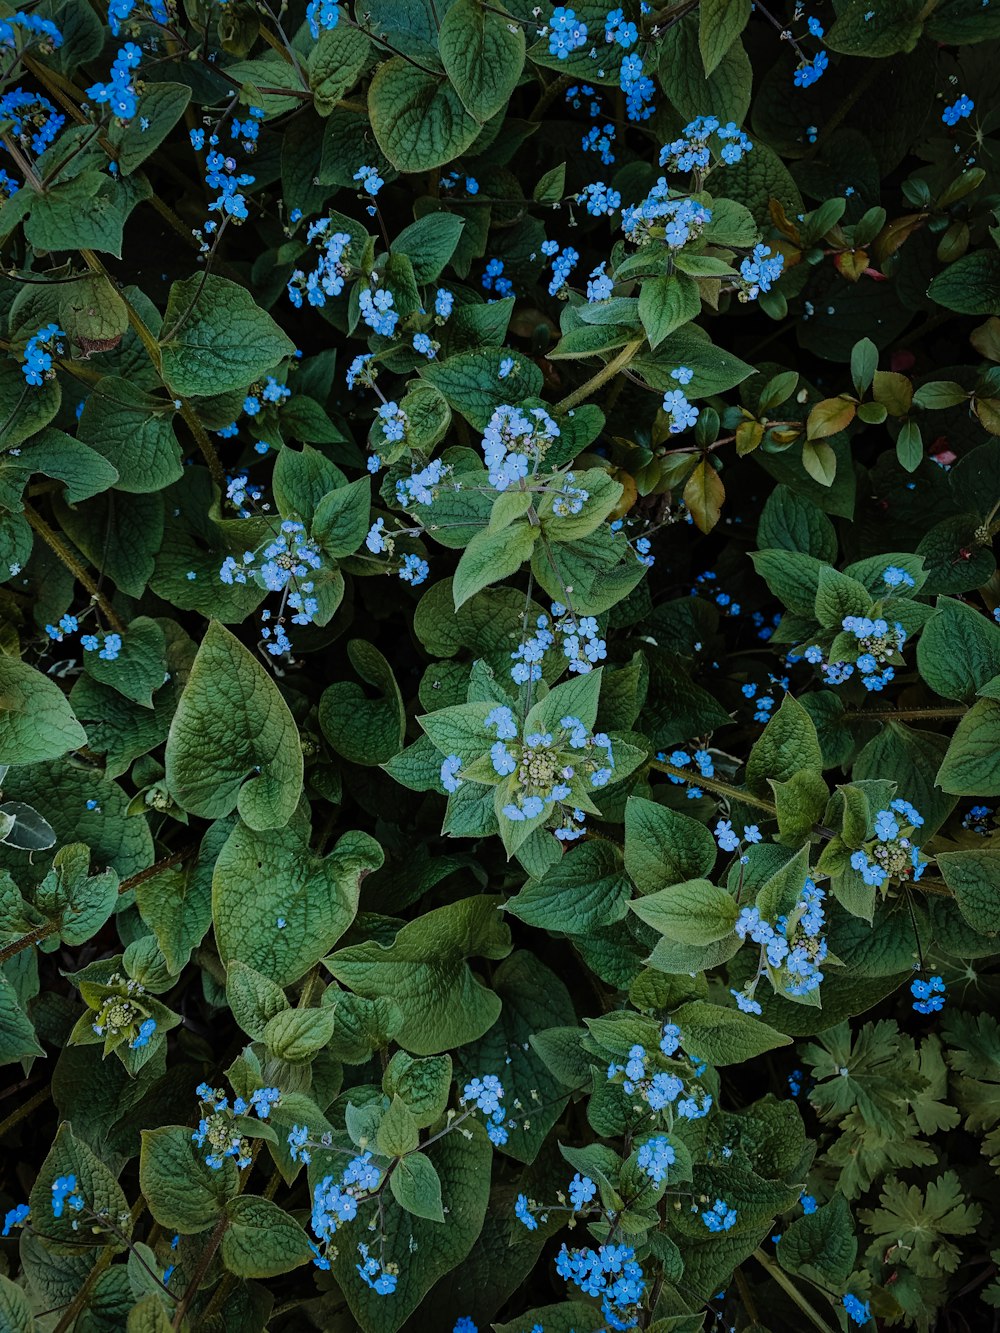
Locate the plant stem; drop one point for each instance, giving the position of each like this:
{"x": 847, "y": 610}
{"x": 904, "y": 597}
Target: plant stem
{"x": 214, "y": 1241}
{"x": 103, "y": 1262}
{"x": 773, "y": 1271}
{"x": 75, "y": 566}
{"x": 607, "y": 372}
{"x": 32, "y": 1104}
{"x": 713, "y": 784}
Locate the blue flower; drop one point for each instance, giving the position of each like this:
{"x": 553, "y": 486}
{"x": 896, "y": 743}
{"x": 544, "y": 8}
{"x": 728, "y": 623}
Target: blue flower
{"x": 654, "y": 1157}
{"x": 958, "y": 110}
{"x": 811, "y": 72}
{"x": 322, "y": 14}
{"x": 928, "y": 996}
{"x": 565, "y": 34}
{"x": 15, "y": 1218}
{"x": 720, "y": 1217}
{"x": 581, "y": 1190}
{"x": 64, "y": 1192}
{"x": 858, "y": 1310}
{"x": 522, "y": 1211}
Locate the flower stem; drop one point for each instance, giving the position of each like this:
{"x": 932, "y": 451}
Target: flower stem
{"x": 75, "y": 566}
{"x": 607, "y": 372}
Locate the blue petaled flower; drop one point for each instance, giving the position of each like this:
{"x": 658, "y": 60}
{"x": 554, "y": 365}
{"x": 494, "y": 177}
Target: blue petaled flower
{"x": 64, "y": 1194}
{"x": 720, "y": 1217}
{"x": 523, "y": 1213}
{"x": 581, "y": 1190}
{"x": 565, "y": 33}
{"x": 15, "y": 1218}
{"x": 858, "y": 1310}
{"x": 654, "y": 1157}
{"x": 322, "y": 15}
{"x": 958, "y": 110}
{"x": 928, "y": 996}
{"x": 811, "y": 71}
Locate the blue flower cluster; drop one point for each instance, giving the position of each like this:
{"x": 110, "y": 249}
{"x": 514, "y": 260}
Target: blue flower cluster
{"x": 494, "y": 281}
{"x": 120, "y": 11}
{"x": 579, "y": 639}
{"x": 34, "y": 121}
{"x": 729, "y": 840}
{"x": 758, "y": 272}
{"x": 681, "y": 759}
{"x": 720, "y": 1217}
{"x": 891, "y": 854}
{"x": 33, "y": 28}
{"x": 858, "y": 1310}
{"x": 691, "y": 152}
{"x": 660, "y": 216}
{"x": 119, "y": 92}
{"x": 122, "y": 1014}
{"x": 545, "y": 765}
{"x": 563, "y": 263}
{"x": 38, "y": 350}
{"x": 16, "y": 1217}
{"x": 654, "y": 1157}
{"x": 322, "y": 15}
{"x": 330, "y": 272}
{"x": 217, "y": 1129}
{"x": 928, "y": 996}
{"x": 877, "y": 644}
{"x": 336, "y": 1202}
{"x": 485, "y": 1094}
{"x": 611, "y": 1273}
{"x": 377, "y": 310}
{"x": 566, "y": 34}
{"x": 662, "y": 1088}
{"x": 515, "y": 442}
{"x": 286, "y": 562}
{"x": 791, "y": 950}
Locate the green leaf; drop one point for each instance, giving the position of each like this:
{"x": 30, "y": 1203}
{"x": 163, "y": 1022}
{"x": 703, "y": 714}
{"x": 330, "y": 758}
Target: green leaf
{"x": 261, "y": 1239}
{"x": 973, "y": 875}
{"x": 483, "y": 55}
{"x": 666, "y": 303}
{"x": 182, "y": 1193}
{"x": 720, "y": 23}
{"x": 232, "y": 724}
{"x": 838, "y": 596}
{"x": 724, "y": 93}
{"x": 724, "y": 1036}
{"x": 253, "y": 998}
{"x": 426, "y": 973}
{"x": 909, "y": 446}
{"x": 225, "y": 341}
{"x": 790, "y": 522}
{"x": 336, "y": 61}
{"x": 430, "y": 241}
{"x": 970, "y": 286}
{"x": 788, "y": 743}
{"x": 134, "y": 431}
{"x": 585, "y": 888}
{"x": 417, "y": 117}
{"x": 15, "y": 1309}
{"x": 865, "y": 30}
{"x": 141, "y": 665}
{"x": 533, "y": 999}
{"x": 695, "y": 912}
{"x": 295, "y": 1035}
{"x": 424, "y": 1085}
{"x": 397, "y": 1130}
{"x": 342, "y": 518}
{"x": 160, "y": 108}
{"x": 820, "y": 461}
{"x": 149, "y": 1316}
{"x": 79, "y": 903}
{"x": 490, "y": 557}
{"x": 262, "y": 879}
{"x": 971, "y": 766}
{"x": 95, "y": 1184}
{"x": 780, "y": 892}
{"x": 821, "y": 1246}
{"x": 36, "y": 720}
{"x": 958, "y": 651}
{"x": 663, "y": 847}
{"x": 416, "y": 1186}
{"x": 363, "y": 730}
{"x": 17, "y": 1033}
{"x": 89, "y": 210}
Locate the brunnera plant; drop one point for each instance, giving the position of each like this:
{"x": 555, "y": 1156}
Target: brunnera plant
{"x": 500, "y": 673}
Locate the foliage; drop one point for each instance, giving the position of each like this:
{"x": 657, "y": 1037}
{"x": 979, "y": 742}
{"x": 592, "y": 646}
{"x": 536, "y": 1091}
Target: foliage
{"x": 500, "y": 666}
